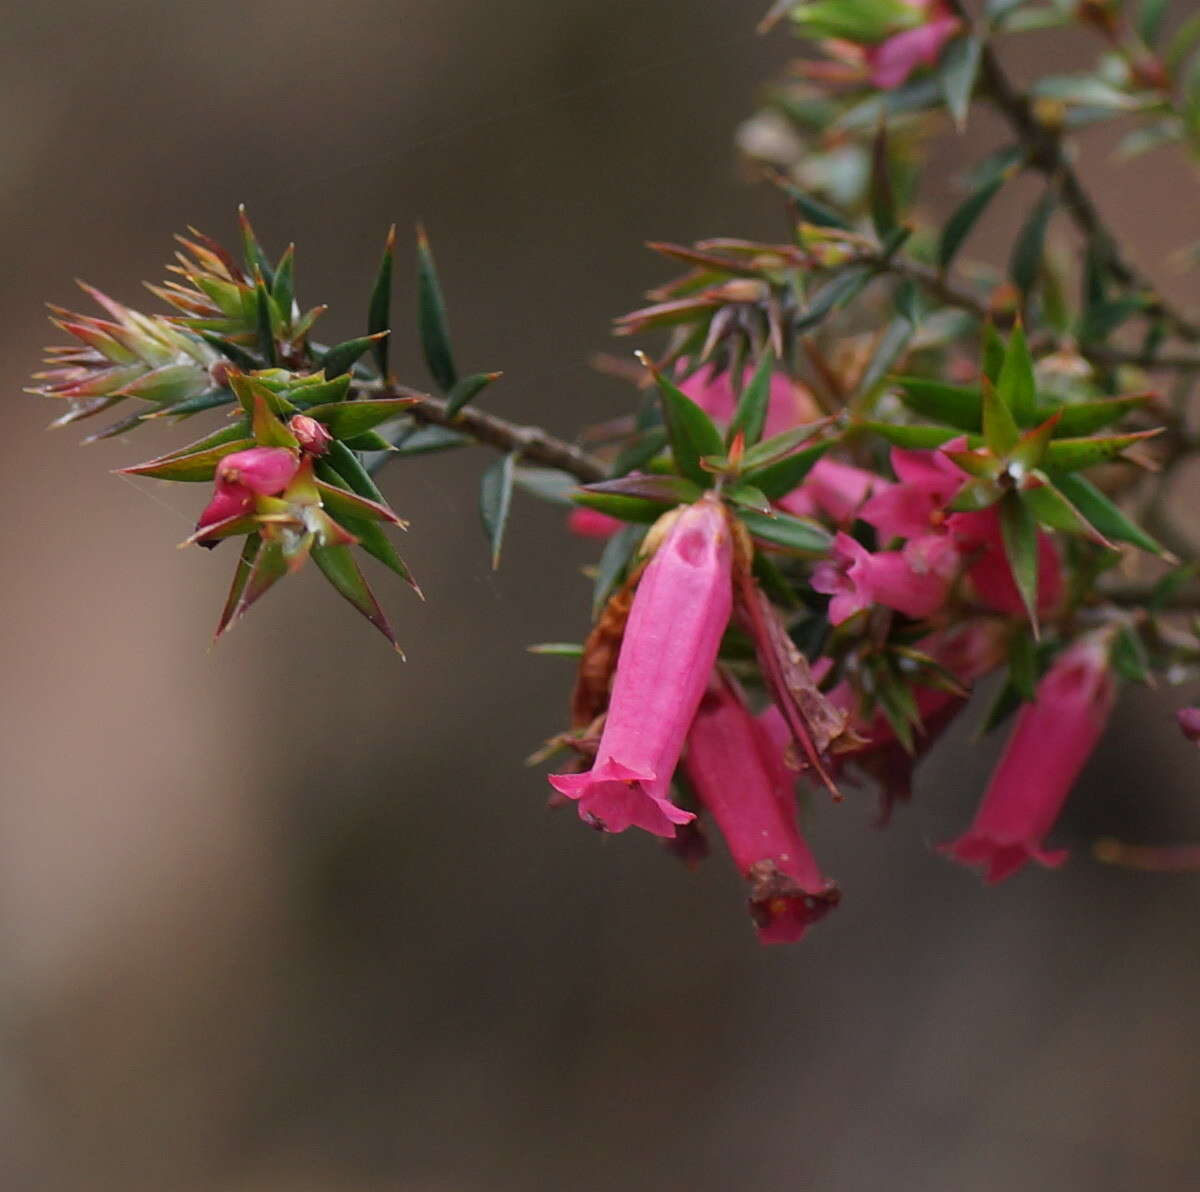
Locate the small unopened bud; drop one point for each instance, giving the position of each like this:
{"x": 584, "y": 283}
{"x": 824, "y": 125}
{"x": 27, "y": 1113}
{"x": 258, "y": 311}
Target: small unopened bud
{"x": 1189, "y": 723}
{"x": 219, "y": 373}
{"x": 313, "y": 437}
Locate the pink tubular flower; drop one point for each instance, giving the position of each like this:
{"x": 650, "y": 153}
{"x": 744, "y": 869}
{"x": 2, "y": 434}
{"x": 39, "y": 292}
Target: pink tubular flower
{"x": 680, "y": 610}
{"x": 979, "y": 538}
{"x": 265, "y": 471}
{"x": 893, "y": 60}
{"x": 1053, "y": 738}
{"x": 927, "y": 482}
{"x": 856, "y": 579}
{"x": 742, "y": 782}
{"x": 834, "y": 489}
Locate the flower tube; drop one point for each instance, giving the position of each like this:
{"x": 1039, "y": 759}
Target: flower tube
{"x": 1053, "y": 738}
{"x": 679, "y": 613}
{"x": 741, "y": 780}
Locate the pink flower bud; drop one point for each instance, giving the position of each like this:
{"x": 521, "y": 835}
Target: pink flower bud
{"x": 230, "y": 500}
{"x": 313, "y": 437}
{"x": 1053, "y": 738}
{"x": 1189, "y": 723}
{"x": 856, "y": 579}
{"x": 679, "y": 613}
{"x": 591, "y": 523}
{"x": 741, "y": 780}
{"x": 266, "y": 471}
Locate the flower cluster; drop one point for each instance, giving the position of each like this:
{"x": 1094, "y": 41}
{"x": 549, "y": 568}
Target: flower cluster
{"x": 935, "y": 572}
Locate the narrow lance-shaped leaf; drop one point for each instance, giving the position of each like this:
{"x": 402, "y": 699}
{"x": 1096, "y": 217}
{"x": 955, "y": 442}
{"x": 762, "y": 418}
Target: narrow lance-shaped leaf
{"x": 883, "y": 196}
{"x": 668, "y": 490}
{"x": 786, "y": 475}
{"x": 690, "y": 430}
{"x": 432, "y": 325}
{"x": 964, "y": 218}
{"x": 256, "y": 259}
{"x": 379, "y": 310}
{"x": 467, "y": 389}
{"x": 614, "y": 559}
{"x": 266, "y": 333}
{"x": 751, "y": 414}
{"x": 198, "y": 467}
{"x": 342, "y": 357}
{"x": 1016, "y": 386}
{"x": 346, "y": 419}
{"x": 283, "y": 285}
{"x": 246, "y": 559}
{"x": 812, "y": 210}
{"x": 955, "y": 405}
{"x": 1000, "y": 430}
{"x": 1104, "y": 515}
{"x": 495, "y": 500}
{"x": 1025, "y": 262}
{"x": 1019, "y": 532}
{"x": 339, "y": 566}
{"x": 960, "y": 66}
{"x": 793, "y": 533}
{"x": 1071, "y": 455}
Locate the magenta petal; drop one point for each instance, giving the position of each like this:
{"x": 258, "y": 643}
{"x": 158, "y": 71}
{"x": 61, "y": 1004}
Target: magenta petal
{"x": 591, "y": 523}
{"x": 228, "y": 501}
{"x": 893, "y": 60}
{"x": 613, "y": 797}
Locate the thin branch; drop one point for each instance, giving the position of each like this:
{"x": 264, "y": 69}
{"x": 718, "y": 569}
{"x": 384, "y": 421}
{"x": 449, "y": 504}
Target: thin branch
{"x": 1045, "y": 153}
{"x": 535, "y": 445}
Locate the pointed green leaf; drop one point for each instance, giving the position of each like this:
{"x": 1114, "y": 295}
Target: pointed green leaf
{"x": 1174, "y": 581}
{"x": 959, "y": 69}
{"x": 888, "y": 349}
{"x": 993, "y": 352}
{"x": 1019, "y": 532}
{"x": 338, "y": 565}
{"x": 1081, "y": 418}
{"x": 547, "y": 484}
{"x": 467, "y": 389}
{"x": 557, "y": 649}
{"x": 747, "y": 496}
{"x": 1070, "y": 455}
{"x": 1031, "y": 448}
{"x": 1016, "y": 386}
{"x": 1022, "y": 665}
{"x": 639, "y": 450}
{"x": 638, "y": 510}
{"x": 268, "y": 568}
{"x": 235, "y": 353}
{"x": 797, "y": 534}
{"x": 784, "y": 476}
{"x": 751, "y": 414}
{"x": 241, "y": 574}
{"x": 256, "y": 259}
{"x": 811, "y": 210}
{"x": 1129, "y": 657}
{"x": 1025, "y": 262}
{"x": 839, "y": 290}
{"x": 1000, "y": 431}
{"x": 350, "y": 468}
{"x": 346, "y": 419}
{"x": 369, "y": 440}
{"x": 342, "y": 503}
{"x": 265, "y": 324}
{"x": 667, "y": 490}
{"x": 379, "y": 316}
{"x": 690, "y": 431}
{"x": 432, "y": 325}
{"x": 374, "y": 541}
{"x": 283, "y": 286}
{"x": 618, "y": 552}
{"x": 200, "y": 466}
{"x": 912, "y": 437}
{"x": 1103, "y": 514}
{"x": 955, "y": 405}
{"x": 495, "y": 499}
{"x": 342, "y": 357}
{"x": 882, "y": 193}
{"x": 268, "y": 429}
{"x": 780, "y": 446}
{"x": 1052, "y": 509}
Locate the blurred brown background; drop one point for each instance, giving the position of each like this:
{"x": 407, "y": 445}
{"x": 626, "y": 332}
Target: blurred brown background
{"x": 289, "y": 916}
